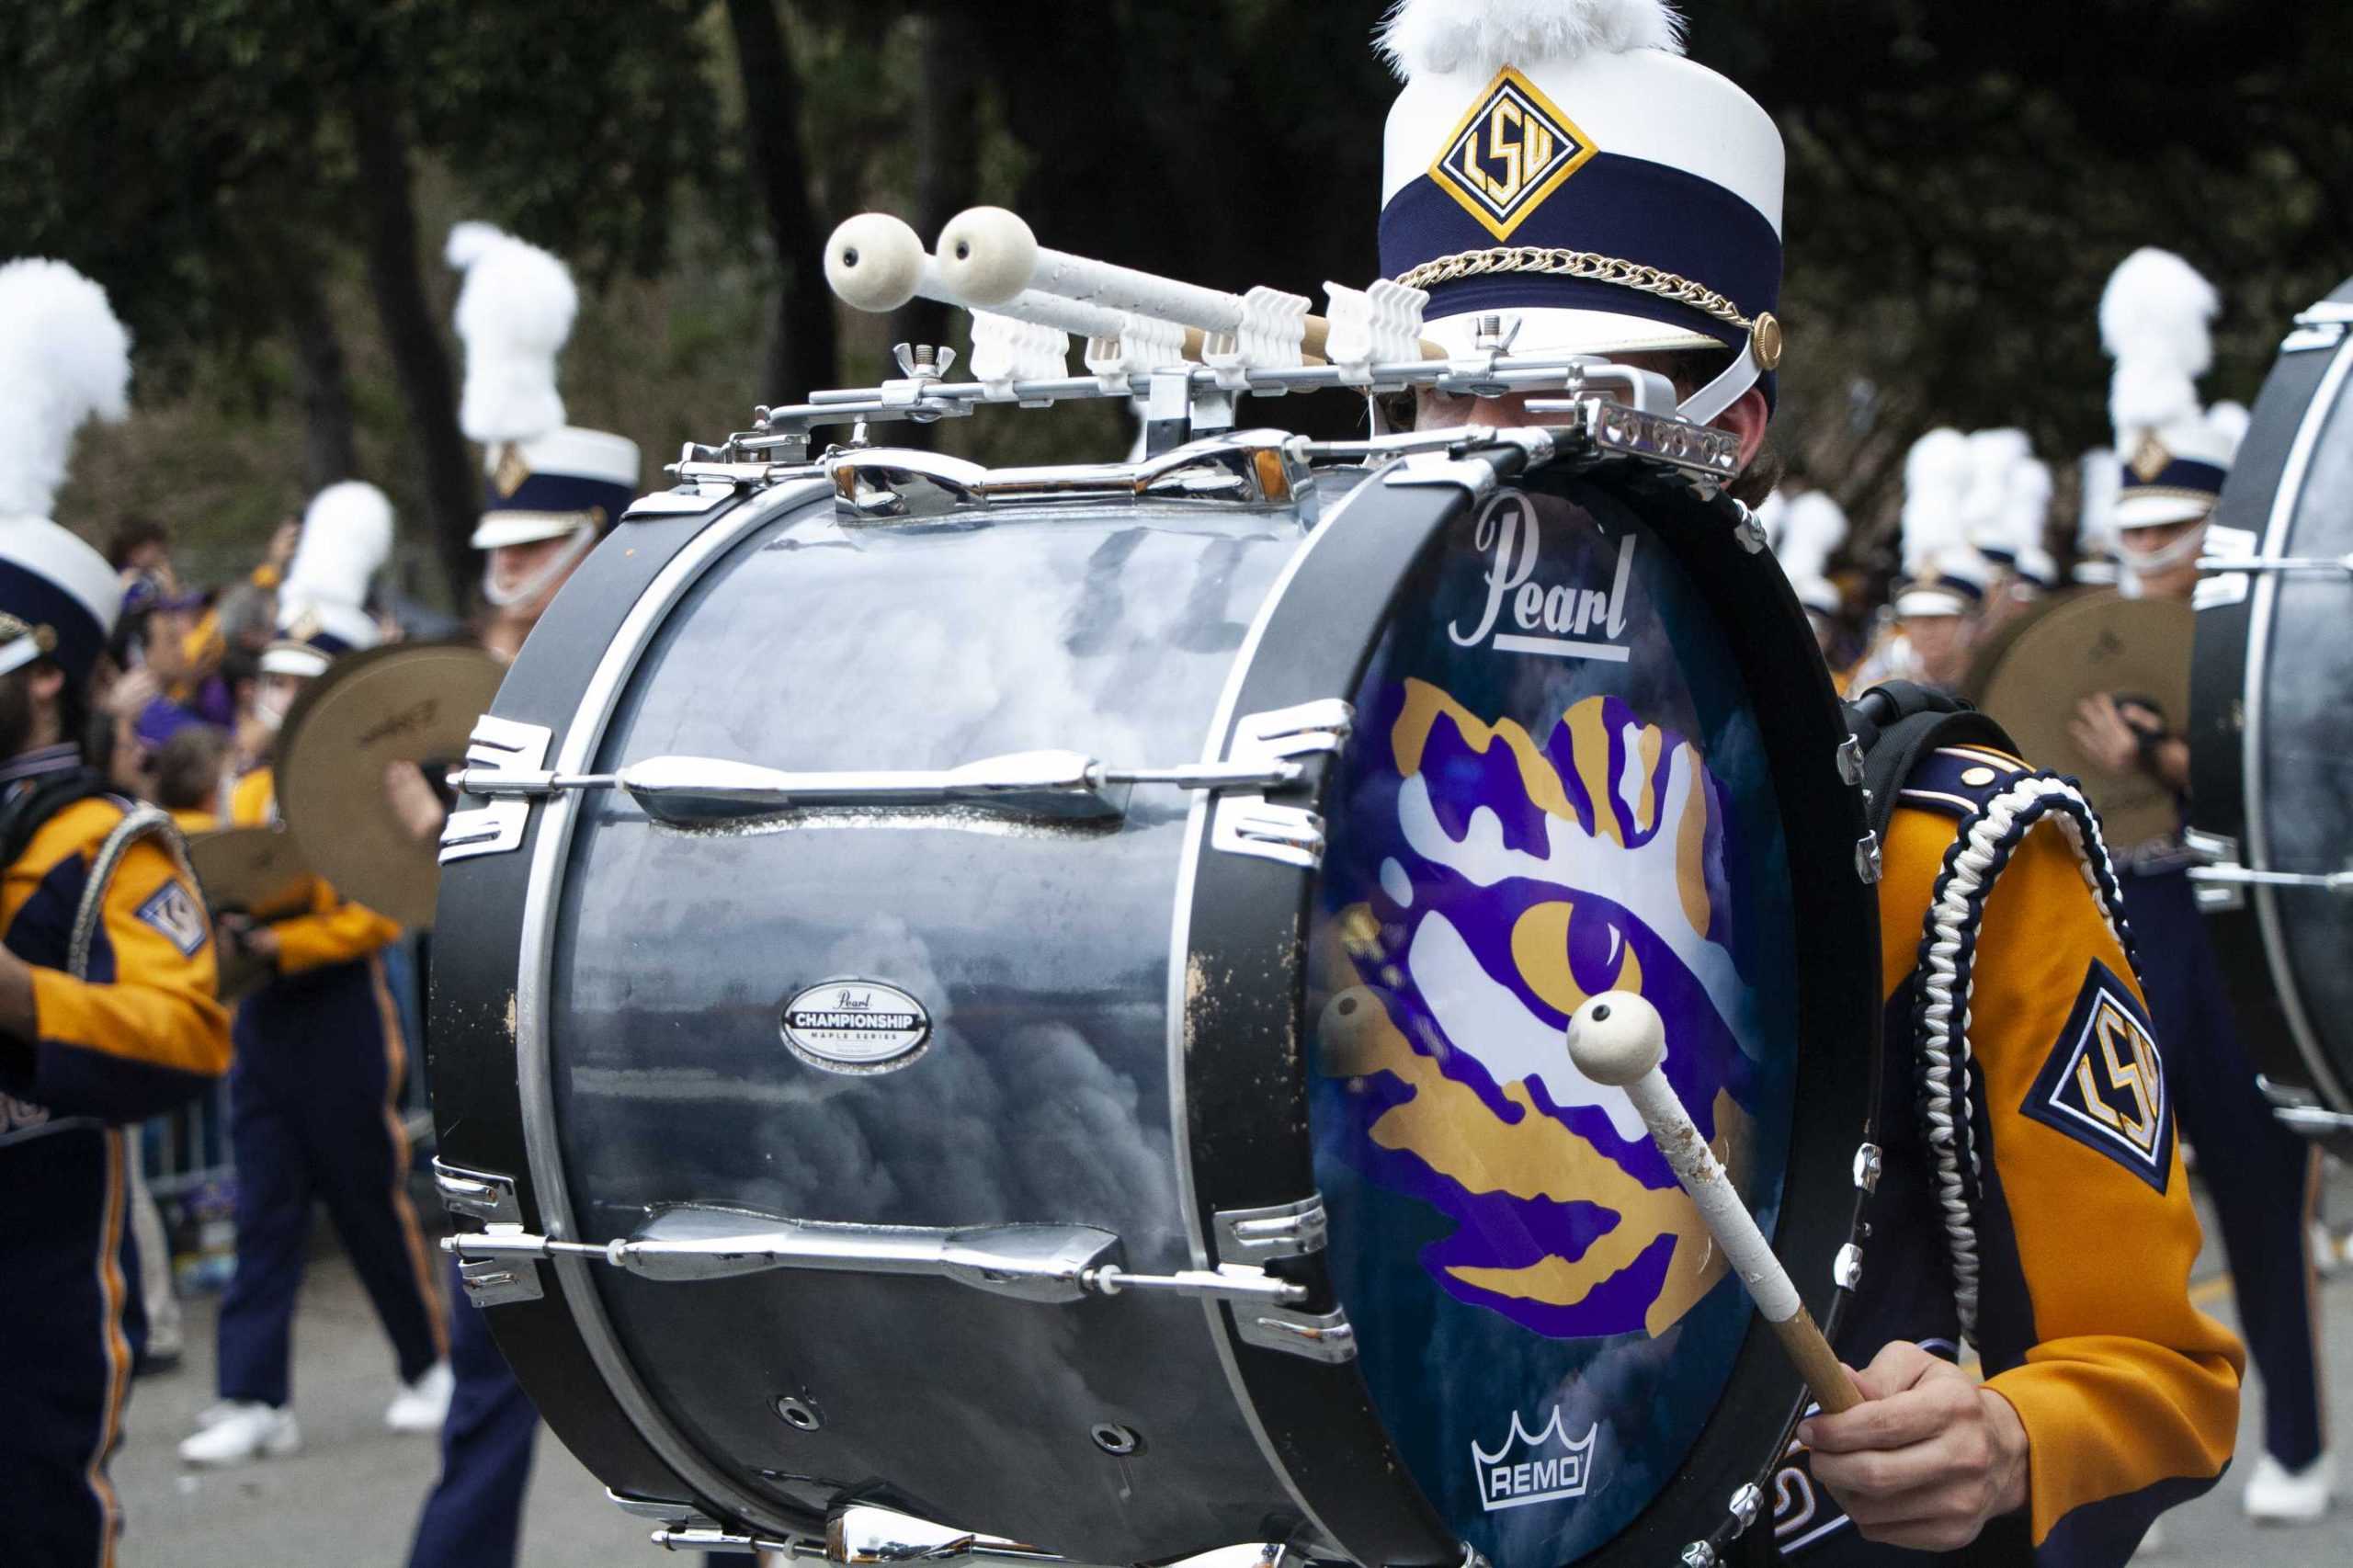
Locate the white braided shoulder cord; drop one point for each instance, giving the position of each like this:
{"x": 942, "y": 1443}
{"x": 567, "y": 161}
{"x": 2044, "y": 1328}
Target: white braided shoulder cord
{"x": 142, "y": 821}
{"x": 1948, "y": 980}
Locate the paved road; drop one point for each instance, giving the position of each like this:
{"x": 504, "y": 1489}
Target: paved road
{"x": 351, "y": 1497}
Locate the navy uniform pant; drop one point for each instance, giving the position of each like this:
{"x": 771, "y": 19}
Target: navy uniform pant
{"x": 70, "y": 1327}
{"x": 311, "y": 1115}
{"x": 473, "y": 1516}
{"x": 2258, "y": 1172}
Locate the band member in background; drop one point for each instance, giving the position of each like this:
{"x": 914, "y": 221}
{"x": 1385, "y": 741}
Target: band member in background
{"x": 1931, "y": 629}
{"x": 1804, "y": 530}
{"x": 551, "y": 491}
{"x": 2263, "y": 1179}
{"x": 315, "y": 1093}
{"x": 106, "y": 1007}
{"x": 2101, "y": 1406}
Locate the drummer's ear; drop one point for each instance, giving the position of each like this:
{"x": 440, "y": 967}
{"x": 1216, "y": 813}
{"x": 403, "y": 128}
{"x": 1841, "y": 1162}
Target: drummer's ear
{"x": 1747, "y": 419}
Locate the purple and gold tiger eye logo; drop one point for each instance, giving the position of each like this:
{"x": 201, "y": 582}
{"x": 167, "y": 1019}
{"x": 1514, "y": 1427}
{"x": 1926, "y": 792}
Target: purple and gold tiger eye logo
{"x": 1520, "y": 876}
{"x": 1510, "y": 152}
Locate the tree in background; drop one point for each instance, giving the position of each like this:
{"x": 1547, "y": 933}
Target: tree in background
{"x": 263, "y": 183}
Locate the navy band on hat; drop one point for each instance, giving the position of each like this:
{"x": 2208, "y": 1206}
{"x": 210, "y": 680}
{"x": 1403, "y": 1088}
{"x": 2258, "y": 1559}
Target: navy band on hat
{"x": 76, "y": 637}
{"x": 1630, "y": 209}
{"x": 560, "y": 494}
{"x": 2180, "y": 476}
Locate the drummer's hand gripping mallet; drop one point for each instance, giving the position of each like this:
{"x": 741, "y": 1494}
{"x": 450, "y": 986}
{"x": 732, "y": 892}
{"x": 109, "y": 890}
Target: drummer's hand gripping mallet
{"x": 1617, "y": 1038}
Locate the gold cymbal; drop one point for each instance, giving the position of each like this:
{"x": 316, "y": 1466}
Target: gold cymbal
{"x": 2030, "y": 677}
{"x": 412, "y": 702}
{"x": 257, "y": 872}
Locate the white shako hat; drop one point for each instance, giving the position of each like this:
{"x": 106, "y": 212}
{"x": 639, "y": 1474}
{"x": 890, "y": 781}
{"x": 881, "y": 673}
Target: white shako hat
{"x": 1812, "y": 527}
{"x": 1561, "y": 162}
{"x": 1943, "y": 572}
{"x": 544, "y": 479}
{"x": 323, "y": 604}
{"x": 64, "y": 358}
{"x": 2154, "y": 319}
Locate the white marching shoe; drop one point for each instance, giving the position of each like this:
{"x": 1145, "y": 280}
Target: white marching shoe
{"x": 2278, "y": 1496}
{"x": 239, "y": 1430}
{"x": 424, "y": 1405}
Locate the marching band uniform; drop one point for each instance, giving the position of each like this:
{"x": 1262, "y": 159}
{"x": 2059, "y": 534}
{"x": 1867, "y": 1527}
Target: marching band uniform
{"x": 97, "y": 899}
{"x": 313, "y": 1096}
{"x": 2101, "y": 1406}
{"x": 544, "y": 481}
{"x": 2260, "y": 1176}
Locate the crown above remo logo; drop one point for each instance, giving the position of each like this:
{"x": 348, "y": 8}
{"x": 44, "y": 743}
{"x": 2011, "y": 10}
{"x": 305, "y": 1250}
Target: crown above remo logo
{"x": 1544, "y": 1467}
{"x": 1509, "y": 153}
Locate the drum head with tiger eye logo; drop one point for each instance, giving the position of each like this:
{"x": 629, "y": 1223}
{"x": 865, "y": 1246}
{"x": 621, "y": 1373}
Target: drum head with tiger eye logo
{"x": 1557, "y": 786}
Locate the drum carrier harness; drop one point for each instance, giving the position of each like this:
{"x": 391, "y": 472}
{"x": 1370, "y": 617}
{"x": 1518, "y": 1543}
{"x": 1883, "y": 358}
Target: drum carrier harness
{"x": 1898, "y": 724}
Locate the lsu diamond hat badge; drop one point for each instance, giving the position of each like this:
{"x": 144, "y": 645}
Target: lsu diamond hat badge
{"x": 1512, "y": 150}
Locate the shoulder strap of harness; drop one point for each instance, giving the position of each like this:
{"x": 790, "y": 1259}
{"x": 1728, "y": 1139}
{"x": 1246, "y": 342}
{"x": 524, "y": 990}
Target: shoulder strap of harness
{"x": 1900, "y": 722}
{"x": 30, "y": 810}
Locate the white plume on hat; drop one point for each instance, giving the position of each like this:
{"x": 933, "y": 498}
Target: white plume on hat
{"x": 1992, "y": 455}
{"x": 347, "y": 535}
{"x": 2026, "y": 515}
{"x": 2154, "y": 320}
{"x": 63, "y": 357}
{"x": 1935, "y": 474}
{"x": 514, "y": 314}
{"x": 1420, "y": 37}
{"x": 1812, "y": 527}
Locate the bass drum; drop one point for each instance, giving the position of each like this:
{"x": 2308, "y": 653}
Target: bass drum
{"x": 2271, "y": 721}
{"x": 909, "y": 1089}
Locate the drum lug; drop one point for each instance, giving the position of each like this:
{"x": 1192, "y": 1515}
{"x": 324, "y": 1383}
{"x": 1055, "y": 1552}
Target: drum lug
{"x": 497, "y": 746}
{"x": 1847, "y": 1268}
{"x": 490, "y": 1197}
{"x": 2323, "y": 327}
{"x": 660, "y": 1510}
{"x": 1868, "y": 1165}
{"x": 1850, "y": 760}
{"x": 1699, "y": 1555}
{"x": 1746, "y": 1504}
{"x": 1281, "y": 1229}
{"x": 1867, "y": 858}
{"x": 1247, "y": 824}
{"x": 868, "y": 1538}
{"x": 1318, "y": 1336}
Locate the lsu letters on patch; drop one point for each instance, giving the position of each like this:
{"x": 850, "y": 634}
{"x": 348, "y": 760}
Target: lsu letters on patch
{"x": 172, "y": 910}
{"x": 2105, "y": 1085}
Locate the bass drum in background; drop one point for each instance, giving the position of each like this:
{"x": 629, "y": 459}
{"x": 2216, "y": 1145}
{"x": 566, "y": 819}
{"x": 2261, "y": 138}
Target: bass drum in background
{"x": 1314, "y": 1031}
{"x": 2271, "y": 722}
{"x": 2033, "y": 674}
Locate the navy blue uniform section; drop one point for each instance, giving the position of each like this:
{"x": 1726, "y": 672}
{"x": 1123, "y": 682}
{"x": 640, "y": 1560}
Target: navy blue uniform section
{"x": 311, "y": 1116}
{"x": 473, "y": 1516}
{"x": 2258, "y": 1172}
{"x": 62, "y": 1298}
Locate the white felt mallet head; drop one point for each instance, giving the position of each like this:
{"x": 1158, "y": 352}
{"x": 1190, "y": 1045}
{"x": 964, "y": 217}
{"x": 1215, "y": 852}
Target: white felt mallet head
{"x": 1617, "y": 1038}
{"x": 874, "y": 262}
{"x": 986, "y": 256}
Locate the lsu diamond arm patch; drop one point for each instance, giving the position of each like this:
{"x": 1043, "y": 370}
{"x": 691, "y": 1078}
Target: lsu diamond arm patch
{"x": 2104, "y": 1085}
{"x": 173, "y": 911}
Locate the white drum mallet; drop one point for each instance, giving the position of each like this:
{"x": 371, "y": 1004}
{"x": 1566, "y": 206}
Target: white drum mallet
{"x": 1617, "y": 1039}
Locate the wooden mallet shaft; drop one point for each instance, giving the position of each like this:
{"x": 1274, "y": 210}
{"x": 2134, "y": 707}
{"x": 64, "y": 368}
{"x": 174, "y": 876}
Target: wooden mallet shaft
{"x": 1617, "y": 1039}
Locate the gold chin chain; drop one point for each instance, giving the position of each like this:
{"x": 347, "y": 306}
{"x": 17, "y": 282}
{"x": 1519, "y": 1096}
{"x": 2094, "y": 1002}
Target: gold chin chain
{"x": 1597, "y": 269}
